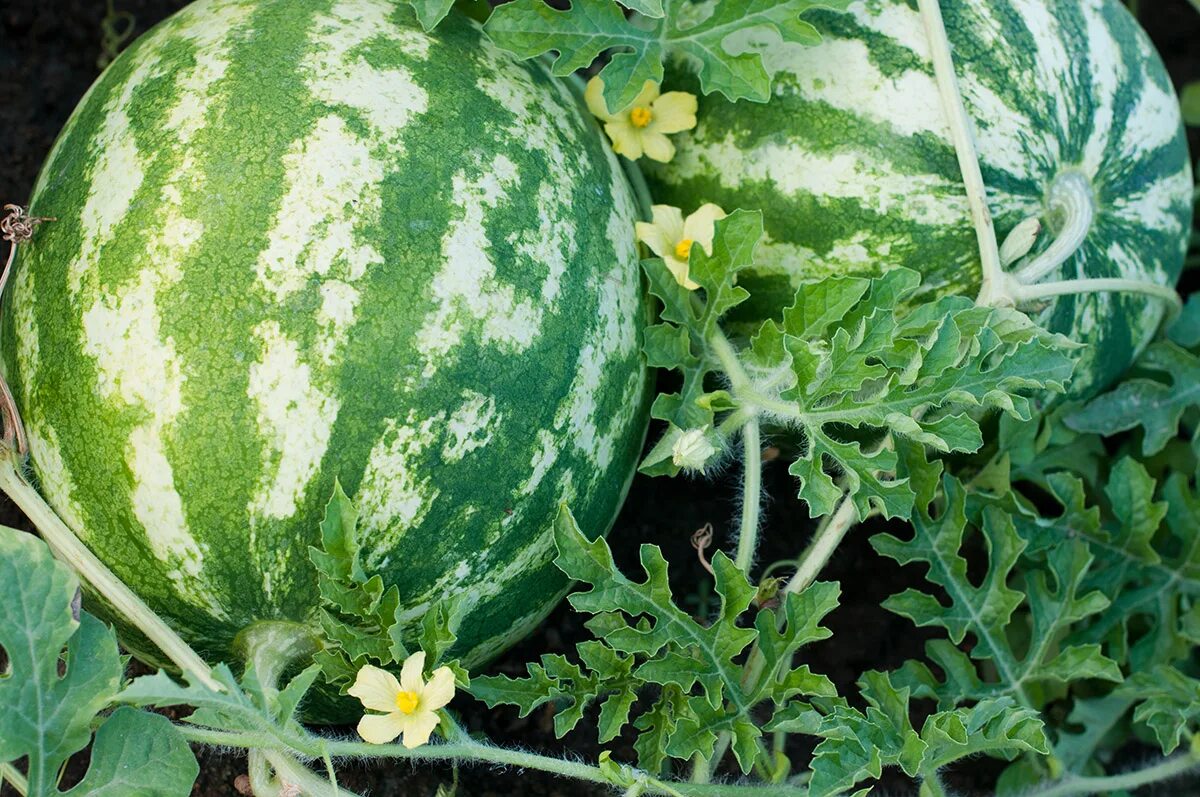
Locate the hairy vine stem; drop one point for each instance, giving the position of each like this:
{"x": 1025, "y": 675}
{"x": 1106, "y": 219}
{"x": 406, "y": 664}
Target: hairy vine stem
{"x": 751, "y": 496}
{"x": 16, "y": 227}
{"x": 828, "y": 536}
{"x": 1046, "y": 290}
{"x": 465, "y": 749}
{"x": 1104, "y": 784}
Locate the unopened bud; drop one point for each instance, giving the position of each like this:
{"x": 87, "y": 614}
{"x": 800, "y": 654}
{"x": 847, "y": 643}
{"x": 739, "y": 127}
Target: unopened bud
{"x": 1020, "y": 240}
{"x": 692, "y": 450}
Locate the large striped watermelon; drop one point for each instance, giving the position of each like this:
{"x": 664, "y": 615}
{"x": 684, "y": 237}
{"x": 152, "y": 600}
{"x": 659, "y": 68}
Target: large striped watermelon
{"x": 300, "y": 241}
{"x": 852, "y": 162}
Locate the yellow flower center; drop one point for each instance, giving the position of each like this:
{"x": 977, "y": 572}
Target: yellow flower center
{"x": 640, "y": 116}
{"x": 407, "y": 702}
{"x": 683, "y": 249}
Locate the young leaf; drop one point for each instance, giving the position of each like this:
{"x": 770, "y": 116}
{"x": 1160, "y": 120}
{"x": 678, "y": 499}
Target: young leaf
{"x": 714, "y": 44}
{"x": 1170, "y": 703}
{"x": 46, "y": 717}
{"x": 363, "y": 622}
{"x": 230, "y": 709}
{"x": 644, "y": 639}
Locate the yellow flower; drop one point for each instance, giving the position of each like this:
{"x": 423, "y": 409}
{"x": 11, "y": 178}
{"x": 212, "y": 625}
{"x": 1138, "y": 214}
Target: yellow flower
{"x": 644, "y": 125}
{"x": 410, "y": 704}
{"x": 672, "y": 237}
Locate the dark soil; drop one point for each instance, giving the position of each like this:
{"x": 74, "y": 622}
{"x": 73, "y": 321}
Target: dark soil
{"x": 48, "y": 58}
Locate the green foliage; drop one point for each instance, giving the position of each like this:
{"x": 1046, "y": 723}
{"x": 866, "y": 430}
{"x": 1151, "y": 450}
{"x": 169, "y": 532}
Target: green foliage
{"x": 1156, "y": 402}
{"x": 644, "y": 639}
{"x": 856, "y": 745}
{"x": 1052, "y": 600}
{"x": 847, "y": 366}
{"x": 715, "y": 38}
{"x": 47, "y": 716}
{"x": 362, "y": 622}
{"x": 1170, "y": 703}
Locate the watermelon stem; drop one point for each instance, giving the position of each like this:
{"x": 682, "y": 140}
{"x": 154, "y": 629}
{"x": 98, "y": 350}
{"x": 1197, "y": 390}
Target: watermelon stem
{"x": 991, "y": 289}
{"x": 1046, "y": 290}
{"x": 271, "y": 647}
{"x": 751, "y": 496}
{"x": 68, "y": 549}
{"x": 1069, "y": 202}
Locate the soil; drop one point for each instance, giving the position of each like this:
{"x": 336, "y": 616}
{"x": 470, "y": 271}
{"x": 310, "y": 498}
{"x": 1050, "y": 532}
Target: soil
{"x": 48, "y": 58}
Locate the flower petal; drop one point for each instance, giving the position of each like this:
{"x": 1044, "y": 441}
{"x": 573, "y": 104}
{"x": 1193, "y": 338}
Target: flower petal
{"x": 680, "y": 271}
{"x": 382, "y": 728}
{"x": 594, "y": 96}
{"x": 440, "y": 689}
{"x": 645, "y": 97}
{"x": 653, "y": 236}
{"x": 701, "y": 225}
{"x": 657, "y": 146}
{"x": 626, "y": 140}
{"x": 412, "y": 675}
{"x": 674, "y": 112}
{"x": 417, "y": 728}
{"x": 670, "y": 220}
{"x": 376, "y": 688}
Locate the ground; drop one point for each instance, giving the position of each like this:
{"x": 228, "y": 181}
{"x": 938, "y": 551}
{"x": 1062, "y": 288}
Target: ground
{"x": 48, "y": 58}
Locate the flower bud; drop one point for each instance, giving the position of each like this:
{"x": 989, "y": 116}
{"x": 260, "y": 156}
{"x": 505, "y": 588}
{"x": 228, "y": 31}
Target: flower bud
{"x": 692, "y": 450}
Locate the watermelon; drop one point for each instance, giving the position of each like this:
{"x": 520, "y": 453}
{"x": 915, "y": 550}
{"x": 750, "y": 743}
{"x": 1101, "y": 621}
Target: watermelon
{"x": 853, "y": 165}
{"x": 300, "y": 241}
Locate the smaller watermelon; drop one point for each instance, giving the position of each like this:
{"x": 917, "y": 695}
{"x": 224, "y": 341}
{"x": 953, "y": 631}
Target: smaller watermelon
{"x": 853, "y": 165}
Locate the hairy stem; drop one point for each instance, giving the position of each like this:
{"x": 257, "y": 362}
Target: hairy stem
{"x": 10, "y": 775}
{"x": 825, "y": 541}
{"x": 1070, "y": 200}
{"x": 1164, "y": 770}
{"x": 470, "y": 751}
{"x": 66, "y": 547}
{"x": 289, "y": 770}
{"x": 726, "y": 355}
{"x": 751, "y": 497}
{"x": 259, "y": 771}
{"x": 964, "y": 148}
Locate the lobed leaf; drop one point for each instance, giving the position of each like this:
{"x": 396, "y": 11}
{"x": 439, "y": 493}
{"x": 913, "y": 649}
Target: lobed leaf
{"x": 1156, "y": 402}
{"x": 1052, "y": 600}
{"x": 644, "y": 639}
{"x": 714, "y": 38}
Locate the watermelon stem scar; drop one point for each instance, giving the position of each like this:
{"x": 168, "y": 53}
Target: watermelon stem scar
{"x": 1070, "y": 202}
